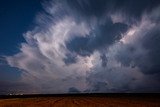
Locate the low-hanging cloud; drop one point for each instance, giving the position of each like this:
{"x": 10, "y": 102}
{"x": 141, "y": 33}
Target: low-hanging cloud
{"x": 85, "y": 46}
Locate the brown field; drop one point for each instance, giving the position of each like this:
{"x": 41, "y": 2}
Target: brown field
{"x": 80, "y": 101}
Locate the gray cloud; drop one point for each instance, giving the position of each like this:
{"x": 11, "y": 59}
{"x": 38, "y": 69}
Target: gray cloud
{"x": 145, "y": 49}
{"x": 133, "y": 62}
{"x": 101, "y": 37}
{"x": 73, "y": 90}
{"x": 104, "y": 60}
{"x": 16, "y": 87}
{"x": 100, "y": 8}
{"x": 87, "y": 46}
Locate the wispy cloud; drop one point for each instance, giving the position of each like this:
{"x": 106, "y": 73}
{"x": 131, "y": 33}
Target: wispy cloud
{"x": 64, "y": 51}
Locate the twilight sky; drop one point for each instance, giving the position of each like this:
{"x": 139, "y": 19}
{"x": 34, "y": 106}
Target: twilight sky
{"x": 87, "y": 46}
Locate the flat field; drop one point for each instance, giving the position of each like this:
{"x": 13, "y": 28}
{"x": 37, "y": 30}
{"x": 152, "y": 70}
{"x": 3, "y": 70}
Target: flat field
{"x": 81, "y": 101}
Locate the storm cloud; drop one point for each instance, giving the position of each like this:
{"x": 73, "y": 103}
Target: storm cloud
{"x": 92, "y": 46}
{"x": 101, "y": 37}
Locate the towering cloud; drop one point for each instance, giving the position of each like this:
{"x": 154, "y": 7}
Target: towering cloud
{"x": 92, "y": 46}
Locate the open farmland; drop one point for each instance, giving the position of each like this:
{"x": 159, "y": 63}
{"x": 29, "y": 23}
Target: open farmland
{"x": 81, "y": 101}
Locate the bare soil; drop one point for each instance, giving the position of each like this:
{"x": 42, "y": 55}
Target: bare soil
{"x": 80, "y": 101}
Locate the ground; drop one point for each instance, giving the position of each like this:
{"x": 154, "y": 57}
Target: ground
{"x": 80, "y": 101}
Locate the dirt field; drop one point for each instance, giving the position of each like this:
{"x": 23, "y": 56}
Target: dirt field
{"x": 79, "y": 101}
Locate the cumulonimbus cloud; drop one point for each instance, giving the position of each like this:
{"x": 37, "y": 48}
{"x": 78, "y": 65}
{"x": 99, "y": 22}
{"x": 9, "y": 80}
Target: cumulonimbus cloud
{"x": 66, "y": 52}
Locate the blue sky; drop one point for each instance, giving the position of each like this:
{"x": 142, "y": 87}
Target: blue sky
{"x": 16, "y": 17}
{"x": 79, "y": 46}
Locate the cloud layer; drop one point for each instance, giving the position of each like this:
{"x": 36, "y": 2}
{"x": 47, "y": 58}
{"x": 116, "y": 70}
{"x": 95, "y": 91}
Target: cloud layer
{"x": 89, "y": 46}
